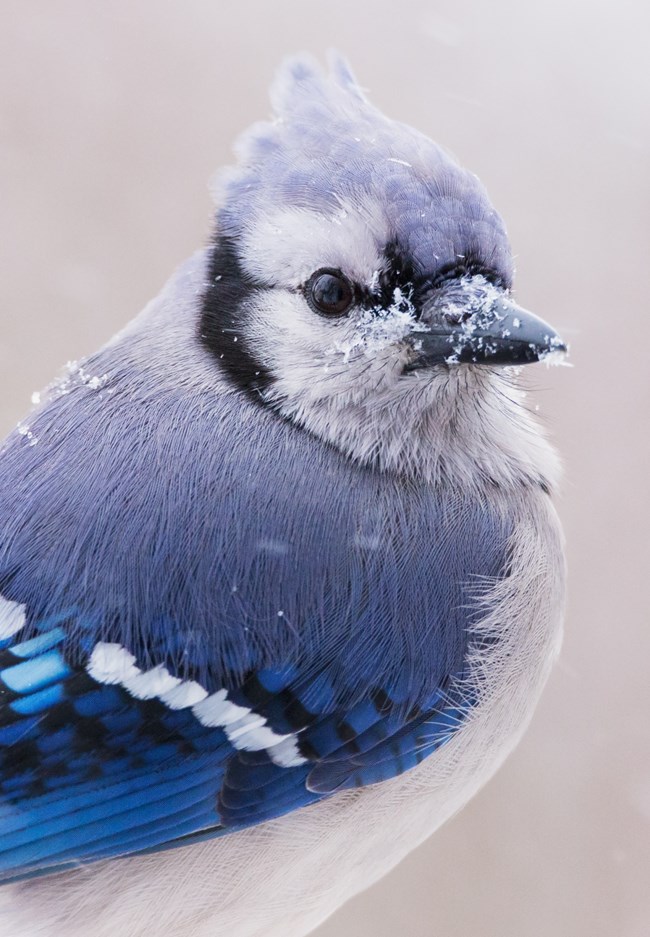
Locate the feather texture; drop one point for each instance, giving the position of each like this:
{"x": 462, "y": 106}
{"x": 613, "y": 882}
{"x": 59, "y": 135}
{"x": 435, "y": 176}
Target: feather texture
{"x": 251, "y": 563}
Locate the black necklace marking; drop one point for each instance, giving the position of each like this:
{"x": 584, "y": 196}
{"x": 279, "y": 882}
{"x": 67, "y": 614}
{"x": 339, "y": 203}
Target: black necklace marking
{"x": 228, "y": 289}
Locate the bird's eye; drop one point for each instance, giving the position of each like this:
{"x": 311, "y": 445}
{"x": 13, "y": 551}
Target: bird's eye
{"x": 329, "y": 292}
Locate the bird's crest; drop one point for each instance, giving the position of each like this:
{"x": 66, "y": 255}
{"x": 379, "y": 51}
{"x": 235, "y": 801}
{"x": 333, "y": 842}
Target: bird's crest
{"x": 301, "y": 81}
{"x": 283, "y": 156}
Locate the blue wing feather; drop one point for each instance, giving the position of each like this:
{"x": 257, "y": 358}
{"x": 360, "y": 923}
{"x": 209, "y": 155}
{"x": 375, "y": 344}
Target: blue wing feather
{"x": 93, "y": 772}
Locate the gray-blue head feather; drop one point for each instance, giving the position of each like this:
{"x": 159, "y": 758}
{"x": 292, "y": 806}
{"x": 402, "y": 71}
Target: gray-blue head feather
{"x": 329, "y": 148}
{"x": 355, "y": 266}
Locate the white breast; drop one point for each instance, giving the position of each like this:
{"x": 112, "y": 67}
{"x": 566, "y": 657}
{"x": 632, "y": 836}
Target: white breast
{"x": 283, "y": 878}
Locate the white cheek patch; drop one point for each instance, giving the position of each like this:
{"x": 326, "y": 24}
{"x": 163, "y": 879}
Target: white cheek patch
{"x": 246, "y": 730}
{"x": 312, "y": 357}
{"x": 286, "y": 247}
{"x": 296, "y": 344}
{"x": 288, "y": 336}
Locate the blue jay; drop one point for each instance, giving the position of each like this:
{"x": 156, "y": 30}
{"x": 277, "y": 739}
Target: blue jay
{"x": 280, "y": 576}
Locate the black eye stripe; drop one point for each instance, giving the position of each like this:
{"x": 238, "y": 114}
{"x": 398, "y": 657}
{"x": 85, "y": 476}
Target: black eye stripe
{"x": 329, "y": 292}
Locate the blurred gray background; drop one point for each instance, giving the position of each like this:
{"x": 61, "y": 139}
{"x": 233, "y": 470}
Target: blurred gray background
{"x": 113, "y": 116}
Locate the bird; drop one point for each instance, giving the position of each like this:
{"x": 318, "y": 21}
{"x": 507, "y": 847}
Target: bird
{"x": 281, "y": 578}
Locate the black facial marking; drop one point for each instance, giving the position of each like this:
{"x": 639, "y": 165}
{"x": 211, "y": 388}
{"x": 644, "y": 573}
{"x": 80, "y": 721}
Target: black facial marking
{"x": 397, "y": 272}
{"x": 469, "y": 264}
{"x": 400, "y": 272}
{"x": 220, "y": 326}
{"x": 399, "y": 269}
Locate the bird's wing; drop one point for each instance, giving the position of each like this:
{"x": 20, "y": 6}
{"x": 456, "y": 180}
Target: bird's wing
{"x": 100, "y": 758}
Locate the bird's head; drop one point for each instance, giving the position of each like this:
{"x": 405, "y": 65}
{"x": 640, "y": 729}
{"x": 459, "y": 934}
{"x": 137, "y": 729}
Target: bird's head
{"x": 360, "y": 281}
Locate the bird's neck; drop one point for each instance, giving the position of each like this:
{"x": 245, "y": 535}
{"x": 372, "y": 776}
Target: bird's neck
{"x": 467, "y": 427}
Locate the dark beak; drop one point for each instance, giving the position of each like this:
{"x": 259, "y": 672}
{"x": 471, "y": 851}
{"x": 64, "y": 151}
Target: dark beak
{"x": 497, "y": 332}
